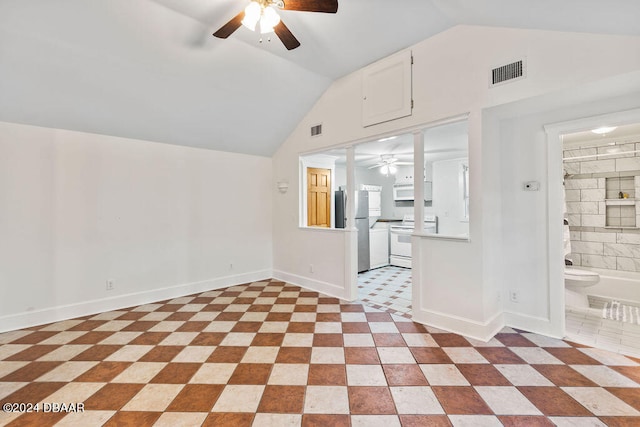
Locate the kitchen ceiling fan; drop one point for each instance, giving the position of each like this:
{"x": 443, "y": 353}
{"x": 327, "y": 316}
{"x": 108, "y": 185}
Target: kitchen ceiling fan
{"x": 263, "y": 13}
{"x": 389, "y": 164}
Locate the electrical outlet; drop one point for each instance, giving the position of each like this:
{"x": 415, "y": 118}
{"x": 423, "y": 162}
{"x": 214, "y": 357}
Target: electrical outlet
{"x": 514, "y": 295}
{"x": 110, "y": 284}
{"x": 310, "y": 268}
{"x": 231, "y": 266}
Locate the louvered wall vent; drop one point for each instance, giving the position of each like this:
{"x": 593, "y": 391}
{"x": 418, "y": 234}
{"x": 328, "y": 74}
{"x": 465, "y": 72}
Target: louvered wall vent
{"x": 508, "y": 73}
{"x": 316, "y": 130}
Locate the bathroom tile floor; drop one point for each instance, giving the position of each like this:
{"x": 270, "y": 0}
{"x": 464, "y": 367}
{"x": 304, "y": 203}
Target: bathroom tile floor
{"x": 273, "y": 354}
{"x": 386, "y": 288}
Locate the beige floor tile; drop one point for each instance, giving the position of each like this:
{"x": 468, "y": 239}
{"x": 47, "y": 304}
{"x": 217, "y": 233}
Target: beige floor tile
{"x": 328, "y": 328}
{"x": 67, "y": 371}
{"x": 6, "y": 388}
{"x": 289, "y": 374}
{"x": 316, "y": 401}
{"x": 239, "y": 398}
{"x": 74, "y": 393}
{"x": 327, "y": 355}
{"x": 416, "y": 400}
{"x": 166, "y": 326}
{"x": 219, "y": 326}
{"x": 121, "y": 338}
{"x": 297, "y": 340}
{"x": 153, "y": 397}
{"x": 129, "y": 353}
{"x": 181, "y": 419}
{"x": 179, "y": 338}
{"x": 605, "y": 376}
{"x": 63, "y": 337}
{"x": 464, "y": 355}
{"x": 600, "y": 402}
{"x": 383, "y": 328}
{"x": 443, "y": 375}
{"x": 474, "y": 421}
{"x": 8, "y": 350}
{"x": 536, "y": 356}
{"x": 64, "y": 353}
{"x": 353, "y": 317}
{"x": 213, "y": 373}
{"x": 395, "y": 355}
{"x": 277, "y": 420}
{"x": 419, "y": 340}
{"x": 242, "y": 339}
{"x": 577, "y": 422}
{"x": 375, "y": 421}
{"x": 87, "y": 418}
{"x": 523, "y": 375}
{"x": 139, "y": 372}
{"x": 194, "y": 354}
{"x": 507, "y": 401}
{"x": 260, "y": 355}
{"x": 365, "y": 375}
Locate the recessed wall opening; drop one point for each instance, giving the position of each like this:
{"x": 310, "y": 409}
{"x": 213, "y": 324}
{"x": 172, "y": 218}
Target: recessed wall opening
{"x": 384, "y": 195}
{"x": 602, "y": 237}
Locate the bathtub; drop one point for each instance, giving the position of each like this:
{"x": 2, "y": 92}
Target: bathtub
{"x": 616, "y": 284}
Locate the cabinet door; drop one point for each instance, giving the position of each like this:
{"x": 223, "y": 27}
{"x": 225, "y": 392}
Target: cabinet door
{"x": 379, "y": 248}
{"x": 387, "y": 89}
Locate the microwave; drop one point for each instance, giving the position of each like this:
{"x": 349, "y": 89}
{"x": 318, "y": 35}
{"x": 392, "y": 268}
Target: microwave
{"x": 405, "y": 192}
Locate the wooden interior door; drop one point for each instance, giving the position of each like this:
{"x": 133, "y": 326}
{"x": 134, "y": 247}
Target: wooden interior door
{"x": 318, "y": 197}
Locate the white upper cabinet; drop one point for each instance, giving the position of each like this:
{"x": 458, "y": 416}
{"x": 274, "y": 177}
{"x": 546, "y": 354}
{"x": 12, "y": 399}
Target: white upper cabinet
{"x": 386, "y": 89}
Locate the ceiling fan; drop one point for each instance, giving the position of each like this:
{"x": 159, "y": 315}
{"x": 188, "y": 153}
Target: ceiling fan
{"x": 388, "y": 164}
{"x": 263, "y": 12}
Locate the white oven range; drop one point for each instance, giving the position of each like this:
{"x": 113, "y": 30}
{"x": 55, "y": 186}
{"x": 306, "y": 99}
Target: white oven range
{"x": 400, "y": 238}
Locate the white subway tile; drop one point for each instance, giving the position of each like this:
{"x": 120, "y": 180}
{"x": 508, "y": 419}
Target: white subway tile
{"x": 592, "y": 236}
{"x": 596, "y": 166}
{"x": 572, "y": 195}
{"x": 594, "y": 194}
{"x": 594, "y": 248}
{"x": 599, "y": 261}
{"x": 593, "y": 220}
{"x": 631, "y": 238}
{"x": 573, "y": 184}
{"x": 627, "y": 164}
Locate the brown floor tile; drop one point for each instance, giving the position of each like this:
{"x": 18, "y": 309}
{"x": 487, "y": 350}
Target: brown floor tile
{"x": 564, "y": 376}
{"x": 162, "y": 353}
{"x": 632, "y": 372}
{"x": 378, "y": 317}
{"x": 88, "y": 325}
{"x": 149, "y": 338}
{"x": 92, "y": 337}
{"x": 40, "y": 419}
{"x": 389, "y": 340}
{"x": 404, "y": 375}
{"x": 461, "y": 401}
{"x": 500, "y": 356}
{"x": 247, "y": 327}
{"x": 301, "y": 327}
{"x": 259, "y": 308}
{"x": 483, "y": 375}
{"x": 267, "y": 339}
{"x": 294, "y": 355}
{"x": 514, "y": 340}
{"x": 140, "y": 326}
{"x": 32, "y": 353}
{"x": 525, "y": 421}
{"x": 244, "y": 300}
{"x": 279, "y": 399}
{"x": 193, "y": 326}
{"x": 34, "y": 337}
{"x": 371, "y": 400}
{"x": 208, "y": 338}
{"x": 132, "y": 315}
{"x": 181, "y": 316}
{"x": 133, "y": 419}
{"x": 327, "y": 375}
{"x": 309, "y": 294}
{"x": 97, "y": 353}
{"x": 251, "y": 373}
{"x": 450, "y": 340}
{"x": 355, "y": 328}
{"x": 430, "y": 355}
{"x": 305, "y": 309}
{"x": 286, "y": 300}
{"x": 327, "y": 340}
{"x": 361, "y": 356}
{"x": 328, "y": 300}
{"x": 217, "y": 307}
{"x": 227, "y": 354}
{"x": 424, "y": 421}
{"x": 552, "y": 401}
{"x": 176, "y": 373}
{"x": 30, "y": 372}
{"x": 196, "y": 398}
{"x": 411, "y": 328}
{"x": 351, "y": 308}
{"x": 112, "y": 397}
{"x": 278, "y": 317}
{"x": 230, "y": 294}
{"x": 630, "y": 395}
{"x": 230, "y": 316}
{"x": 103, "y": 372}
{"x": 620, "y": 421}
{"x": 201, "y": 300}
{"x": 328, "y": 317}
{"x": 33, "y": 393}
{"x": 170, "y": 307}
{"x": 572, "y": 356}
{"x": 321, "y": 420}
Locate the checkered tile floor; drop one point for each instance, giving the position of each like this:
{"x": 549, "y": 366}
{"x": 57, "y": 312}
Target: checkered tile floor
{"x": 387, "y": 288}
{"x": 273, "y": 354}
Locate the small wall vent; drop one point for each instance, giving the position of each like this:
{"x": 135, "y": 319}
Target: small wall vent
{"x": 316, "y": 130}
{"x": 508, "y": 73}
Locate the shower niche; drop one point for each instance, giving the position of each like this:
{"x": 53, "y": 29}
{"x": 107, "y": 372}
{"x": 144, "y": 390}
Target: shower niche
{"x": 620, "y": 202}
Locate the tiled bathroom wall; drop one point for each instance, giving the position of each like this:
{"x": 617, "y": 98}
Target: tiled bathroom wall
{"x": 605, "y": 228}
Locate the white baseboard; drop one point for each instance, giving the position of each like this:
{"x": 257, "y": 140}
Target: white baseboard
{"x": 538, "y": 325}
{"x": 85, "y": 308}
{"x": 312, "y": 284}
{"x": 482, "y": 331}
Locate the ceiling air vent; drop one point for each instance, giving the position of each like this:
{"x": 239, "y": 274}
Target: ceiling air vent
{"x": 316, "y": 130}
{"x": 508, "y": 73}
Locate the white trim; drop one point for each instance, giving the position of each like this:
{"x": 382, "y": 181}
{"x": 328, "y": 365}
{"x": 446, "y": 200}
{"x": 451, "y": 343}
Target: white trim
{"x": 482, "y": 331}
{"x": 85, "y": 308}
{"x": 311, "y": 284}
{"x": 538, "y": 325}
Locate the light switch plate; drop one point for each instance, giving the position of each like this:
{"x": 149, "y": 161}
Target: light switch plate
{"x": 531, "y": 186}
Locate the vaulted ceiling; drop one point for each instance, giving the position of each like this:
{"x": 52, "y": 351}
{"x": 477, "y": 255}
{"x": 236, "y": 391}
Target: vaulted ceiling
{"x": 150, "y": 69}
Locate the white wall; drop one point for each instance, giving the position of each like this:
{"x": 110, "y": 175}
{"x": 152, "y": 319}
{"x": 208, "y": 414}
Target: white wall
{"x": 448, "y": 204}
{"x": 450, "y": 78}
{"x": 160, "y": 220}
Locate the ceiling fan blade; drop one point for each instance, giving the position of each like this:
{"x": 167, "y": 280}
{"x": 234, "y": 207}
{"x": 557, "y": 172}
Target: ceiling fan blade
{"x": 377, "y": 165}
{"x": 287, "y": 38}
{"x": 227, "y": 29}
{"x": 326, "y": 6}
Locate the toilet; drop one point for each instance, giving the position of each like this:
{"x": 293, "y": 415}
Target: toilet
{"x": 575, "y": 281}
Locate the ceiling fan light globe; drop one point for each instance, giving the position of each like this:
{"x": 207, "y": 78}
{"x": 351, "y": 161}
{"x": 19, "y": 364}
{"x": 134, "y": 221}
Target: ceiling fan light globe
{"x": 268, "y": 20}
{"x": 384, "y": 169}
{"x": 393, "y": 169}
{"x": 252, "y": 15}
